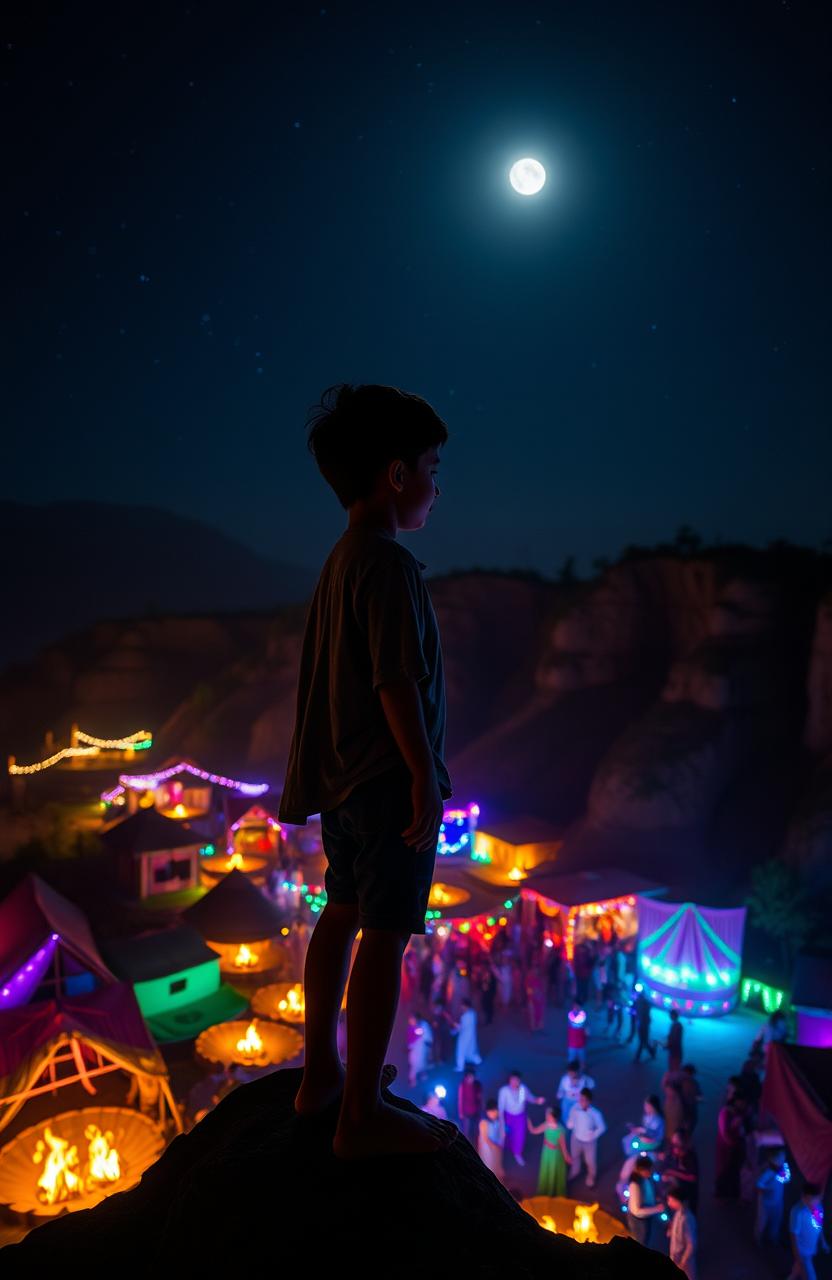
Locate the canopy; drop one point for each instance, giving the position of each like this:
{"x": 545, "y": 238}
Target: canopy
{"x": 235, "y": 911}
{"x": 30, "y": 915}
{"x": 148, "y": 832}
{"x": 797, "y": 1091}
{"x": 690, "y": 956}
{"x": 107, "y": 1020}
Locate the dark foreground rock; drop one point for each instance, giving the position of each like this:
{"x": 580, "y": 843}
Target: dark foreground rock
{"x": 254, "y": 1188}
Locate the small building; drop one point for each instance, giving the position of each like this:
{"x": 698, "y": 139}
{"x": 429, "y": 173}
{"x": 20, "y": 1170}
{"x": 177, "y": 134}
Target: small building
{"x": 180, "y": 789}
{"x": 516, "y": 844}
{"x": 176, "y": 979}
{"x": 689, "y": 956}
{"x": 47, "y": 950}
{"x": 252, "y": 829}
{"x": 241, "y": 925}
{"x": 580, "y": 904}
{"x": 155, "y": 854}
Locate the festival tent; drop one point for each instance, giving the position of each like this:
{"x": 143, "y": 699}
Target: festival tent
{"x": 582, "y": 898}
{"x": 797, "y": 1091}
{"x": 176, "y": 978}
{"x": 39, "y": 928}
{"x": 37, "y": 1039}
{"x": 689, "y": 956}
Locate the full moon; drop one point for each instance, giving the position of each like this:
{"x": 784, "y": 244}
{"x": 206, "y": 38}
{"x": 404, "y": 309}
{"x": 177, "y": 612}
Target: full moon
{"x": 527, "y": 176}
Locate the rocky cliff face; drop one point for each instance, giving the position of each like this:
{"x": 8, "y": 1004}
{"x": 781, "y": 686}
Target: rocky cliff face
{"x": 253, "y": 1188}
{"x": 673, "y": 711}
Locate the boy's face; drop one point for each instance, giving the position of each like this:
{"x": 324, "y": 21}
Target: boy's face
{"x": 584, "y": 1101}
{"x": 414, "y": 492}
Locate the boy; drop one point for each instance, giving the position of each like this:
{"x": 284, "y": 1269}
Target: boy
{"x": 771, "y": 1190}
{"x": 587, "y": 1125}
{"x": 367, "y": 754}
{"x": 682, "y": 1231}
{"x": 806, "y": 1231}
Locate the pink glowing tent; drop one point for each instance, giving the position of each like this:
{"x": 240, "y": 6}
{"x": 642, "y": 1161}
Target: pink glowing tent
{"x": 689, "y": 956}
{"x": 797, "y": 1091}
{"x": 97, "y": 1033}
{"x": 35, "y": 920}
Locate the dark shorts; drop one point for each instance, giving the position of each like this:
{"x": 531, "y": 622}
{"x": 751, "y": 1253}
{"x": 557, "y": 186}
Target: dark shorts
{"x": 369, "y": 862}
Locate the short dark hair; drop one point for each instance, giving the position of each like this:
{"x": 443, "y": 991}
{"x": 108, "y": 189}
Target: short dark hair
{"x": 574, "y": 1065}
{"x": 519, "y": 1074}
{"x": 355, "y": 431}
{"x": 674, "y": 1015}
{"x": 586, "y": 1093}
{"x": 679, "y": 1192}
{"x": 491, "y": 1105}
{"x": 644, "y": 1164}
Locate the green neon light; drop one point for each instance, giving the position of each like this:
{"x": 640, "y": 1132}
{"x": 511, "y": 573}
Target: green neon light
{"x": 668, "y": 924}
{"x": 771, "y": 998}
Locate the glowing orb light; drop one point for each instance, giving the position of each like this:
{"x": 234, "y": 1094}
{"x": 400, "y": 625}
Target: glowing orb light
{"x": 527, "y": 176}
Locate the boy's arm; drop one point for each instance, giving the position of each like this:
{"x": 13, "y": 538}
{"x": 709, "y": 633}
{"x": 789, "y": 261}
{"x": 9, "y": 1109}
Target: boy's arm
{"x": 401, "y": 703}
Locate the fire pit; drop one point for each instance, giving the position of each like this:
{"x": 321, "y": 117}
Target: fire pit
{"x": 73, "y": 1160}
{"x": 586, "y": 1223}
{"x": 244, "y": 958}
{"x": 249, "y": 1044}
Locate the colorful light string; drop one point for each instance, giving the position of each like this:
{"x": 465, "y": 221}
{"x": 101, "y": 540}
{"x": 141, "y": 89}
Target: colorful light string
{"x": 138, "y": 741}
{"x": 150, "y": 781}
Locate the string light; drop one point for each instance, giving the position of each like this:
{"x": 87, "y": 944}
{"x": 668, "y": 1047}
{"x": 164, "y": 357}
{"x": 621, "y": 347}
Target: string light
{"x": 138, "y": 741}
{"x": 150, "y": 781}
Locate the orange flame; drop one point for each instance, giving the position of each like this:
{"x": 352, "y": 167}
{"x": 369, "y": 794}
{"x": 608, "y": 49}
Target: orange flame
{"x": 583, "y": 1228}
{"x": 293, "y": 1001}
{"x": 60, "y": 1178}
{"x": 245, "y": 957}
{"x": 251, "y": 1043}
{"x": 235, "y": 862}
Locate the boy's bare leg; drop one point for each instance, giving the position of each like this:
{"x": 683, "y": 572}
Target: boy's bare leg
{"x": 367, "y": 1125}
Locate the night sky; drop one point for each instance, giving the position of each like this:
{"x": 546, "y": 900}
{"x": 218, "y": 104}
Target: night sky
{"x": 214, "y": 212}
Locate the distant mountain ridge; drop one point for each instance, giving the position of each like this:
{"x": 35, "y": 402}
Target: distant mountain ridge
{"x": 72, "y": 564}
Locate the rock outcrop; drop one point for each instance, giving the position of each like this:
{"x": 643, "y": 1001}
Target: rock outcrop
{"x": 254, "y": 1189}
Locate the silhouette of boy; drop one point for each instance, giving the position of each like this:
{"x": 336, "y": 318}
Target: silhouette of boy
{"x": 367, "y": 754}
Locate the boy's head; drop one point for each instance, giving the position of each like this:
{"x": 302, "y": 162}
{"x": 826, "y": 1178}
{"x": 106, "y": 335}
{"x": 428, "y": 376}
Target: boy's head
{"x": 674, "y": 1015}
{"x": 776, "y": 1156}
{"x": 810, "y": 1194}
{"x": 677, "y": 1196}
{"x": 491, "y": 1108}
{"x": 378, "y": 447}
{"x": 644, "y": 1166}
{"x": 585, "y": 1099}
{"x": 469, "y": 1073}
{"x": 574, "y": 1068}
{"x": 514, "y": 1079}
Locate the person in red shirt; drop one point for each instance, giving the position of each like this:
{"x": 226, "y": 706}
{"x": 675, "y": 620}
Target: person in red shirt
{"x": 469, "y": 1103}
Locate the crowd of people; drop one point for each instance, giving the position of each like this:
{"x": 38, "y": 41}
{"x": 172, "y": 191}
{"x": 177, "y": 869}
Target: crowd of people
{"x": 659, "y": 1181}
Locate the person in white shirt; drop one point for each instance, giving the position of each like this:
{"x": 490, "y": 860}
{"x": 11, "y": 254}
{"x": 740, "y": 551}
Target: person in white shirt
{"x": 587, "y": 1125}
{"x": 569, "y": 1089}
{"x": 511, "y": 1101}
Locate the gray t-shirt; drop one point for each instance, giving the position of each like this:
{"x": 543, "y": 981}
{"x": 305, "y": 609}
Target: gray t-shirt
{"x": 371, "y": 619}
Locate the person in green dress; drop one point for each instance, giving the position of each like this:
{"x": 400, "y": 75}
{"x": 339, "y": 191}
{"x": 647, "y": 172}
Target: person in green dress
{"x": 554, "y": 1157}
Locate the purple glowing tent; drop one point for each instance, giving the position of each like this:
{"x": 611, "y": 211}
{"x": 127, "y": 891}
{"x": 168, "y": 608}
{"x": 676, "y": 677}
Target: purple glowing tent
{"x": 690, "y": 957}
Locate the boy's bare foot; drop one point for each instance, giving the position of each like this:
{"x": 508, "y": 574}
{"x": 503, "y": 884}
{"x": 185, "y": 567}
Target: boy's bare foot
{"x": 391, "y": 1131}
{"x": 314, "y": 1096}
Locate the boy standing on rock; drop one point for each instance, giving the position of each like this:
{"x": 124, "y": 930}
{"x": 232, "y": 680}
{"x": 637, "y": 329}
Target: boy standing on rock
{"x": 367, "y": 754}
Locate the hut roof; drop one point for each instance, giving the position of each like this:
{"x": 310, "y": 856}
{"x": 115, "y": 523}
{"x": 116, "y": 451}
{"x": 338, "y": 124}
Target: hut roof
{"x": 158, "y": 954}
{"x": 148, "y": 832}
{"x": 30, "y": 913}
{"x": 235, "y": 911}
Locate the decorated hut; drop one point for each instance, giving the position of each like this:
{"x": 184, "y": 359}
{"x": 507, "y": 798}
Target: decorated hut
{"x": 155, "y": 854}
{"x": 176, "y": 978}
{"x": 46, "y": 947}
{"x": 690, "y": 957}
{"x": 581, "y": 905}
{"x": 242, "y": 926}
{"x": 252, "y": 829}
{"x": 55, "y": 1043}
{"x": 514, "y": 846}
{"x": 180, "y": 789}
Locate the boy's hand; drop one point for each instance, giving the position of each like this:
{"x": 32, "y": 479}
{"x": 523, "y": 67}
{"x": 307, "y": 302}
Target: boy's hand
{"x": 423, "y": 832}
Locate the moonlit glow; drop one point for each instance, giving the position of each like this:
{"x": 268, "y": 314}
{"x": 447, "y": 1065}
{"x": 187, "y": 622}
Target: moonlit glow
{"x": 527, "y": 176}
